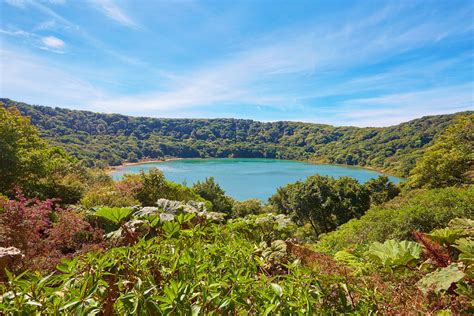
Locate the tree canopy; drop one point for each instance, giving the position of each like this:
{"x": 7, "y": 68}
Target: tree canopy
{"x": 324, "y": 202}
{"x": 211, "y": 191}
{"x": 28, "y": 163}
{"x": 111, "y": 139}
{"x": 450, "y": 161}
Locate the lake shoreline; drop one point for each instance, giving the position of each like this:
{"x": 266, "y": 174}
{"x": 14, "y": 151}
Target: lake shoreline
{"x": 141, "y": 162}
{"x": 112, "y": 169}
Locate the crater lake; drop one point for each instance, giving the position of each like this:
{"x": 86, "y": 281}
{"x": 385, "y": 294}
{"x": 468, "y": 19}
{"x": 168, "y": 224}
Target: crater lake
{"x": 246, "y": 178}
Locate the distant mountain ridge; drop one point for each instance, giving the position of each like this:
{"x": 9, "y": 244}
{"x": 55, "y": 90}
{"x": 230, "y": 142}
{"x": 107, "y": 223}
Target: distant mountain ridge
{"x": 113, "y": 139}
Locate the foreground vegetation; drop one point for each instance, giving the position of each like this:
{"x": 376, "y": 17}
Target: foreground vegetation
{"x": 72, "y": 241}
{"x": 112, "y": 139}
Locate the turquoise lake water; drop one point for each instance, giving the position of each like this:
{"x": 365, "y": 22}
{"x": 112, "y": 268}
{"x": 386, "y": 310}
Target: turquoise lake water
{"x": 245, "y": 178}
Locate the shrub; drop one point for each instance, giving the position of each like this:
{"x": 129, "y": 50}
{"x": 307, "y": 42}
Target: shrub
{"x": 108, "y": 195}
{"x": 43, "y": 231}
{"x": 381, "y": 190}
{"x": 265, "y": 226}
{"x": 450, "y": 160}
{"x": 414, "y": 211}
{"x": 247, "y": 207}
{"x": 149, "y": 187}
{"x": 212, "y": 192}
{"x": 324, "y": 202}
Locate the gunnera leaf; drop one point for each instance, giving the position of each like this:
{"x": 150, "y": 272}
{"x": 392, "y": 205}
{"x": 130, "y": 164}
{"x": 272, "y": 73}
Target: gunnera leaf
{"x": 394, "y": 253}
{"x": 441, "y": 279}
{"x": 275, "y": 252}
{"x": 447, "y": 236}
{"x": 113, "y": 214}
{"x": 466, "y": 247}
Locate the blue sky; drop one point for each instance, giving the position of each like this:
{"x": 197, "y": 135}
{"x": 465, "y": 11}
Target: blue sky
{"x": 363, "y": 63}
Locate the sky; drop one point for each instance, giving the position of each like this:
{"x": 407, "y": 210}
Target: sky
{"x": 360, "y": 63}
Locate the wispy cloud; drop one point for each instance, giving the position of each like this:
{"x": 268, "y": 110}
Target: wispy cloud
{"x": 46, "y": 25}
{"x": 114, "y": 12}
{"x": 17, "y": 3}
{"x": 394, "y": 108}
{"x": 60, "y": 2}
{"x": 49, "y": 43}
{"x": 45, "y": 83}
{"x": 71, "y": 27}
{"x": 249, "y": 76}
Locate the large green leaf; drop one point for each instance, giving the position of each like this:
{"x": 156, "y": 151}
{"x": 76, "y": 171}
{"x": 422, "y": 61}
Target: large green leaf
{"x": 441, "y": 280}
{"x": 447, "y": 236}
{"x": 394, "y": 253}
{"x": 466, "y": 247}
{"x": 275, "y": 252}
{"x": 113, "y": 214}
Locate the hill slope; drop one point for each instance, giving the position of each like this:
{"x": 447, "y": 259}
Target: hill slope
{"x": 115, "y": 138}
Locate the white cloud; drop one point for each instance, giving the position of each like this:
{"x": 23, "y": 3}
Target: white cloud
{"x": 60, "y": 2}
{"x": 49, "y": 43}
{"x": 27, "y": 78}
{"x": 46, "y": 25}
{"x": 394, "y": 108}
{"x": 69, "y": 26}
{"x": 17, "y": 3}
{"x": 52, "y": 42}
{"x": 111, "y": 10}
{"x": 16, "y": 32}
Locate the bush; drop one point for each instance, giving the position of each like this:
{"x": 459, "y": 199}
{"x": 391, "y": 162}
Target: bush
{"x": 264, "y": 227}
{"x": 415, "y": 211}
{"x": 154, "y": 186}
{"x": 29, "y": 163}
{"x": 381, "y": 190}
{"x": 109, "y": 195}
{"x": 212, "y": 192}
{"x": 323, "y": 202}
{"x": 450, "y": 160}
{"x": 247, "y": 207}
{"x": 43, "y": 231}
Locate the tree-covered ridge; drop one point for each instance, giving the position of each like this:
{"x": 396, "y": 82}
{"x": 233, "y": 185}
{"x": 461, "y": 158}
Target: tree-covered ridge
{"x": 114, "y": 138}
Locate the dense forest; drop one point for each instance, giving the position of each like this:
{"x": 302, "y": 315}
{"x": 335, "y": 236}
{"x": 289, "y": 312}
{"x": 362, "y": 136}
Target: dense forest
{"x": 111, "y": 139}
{"x": 73, "y": 241}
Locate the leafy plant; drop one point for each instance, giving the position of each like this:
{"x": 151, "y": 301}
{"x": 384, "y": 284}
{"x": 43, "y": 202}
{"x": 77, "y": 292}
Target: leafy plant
{"x": 359, "y": 266}
{"x": 447, "y": 236}
{"x": 466, "y": 247}
{"x": 441, "y": 279}
{"x": 114, "y": 214}
{"x": 394, "y": 253}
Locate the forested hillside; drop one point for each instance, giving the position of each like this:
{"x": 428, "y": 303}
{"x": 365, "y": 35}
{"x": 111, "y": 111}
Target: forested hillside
{"x": 114, "y": 139}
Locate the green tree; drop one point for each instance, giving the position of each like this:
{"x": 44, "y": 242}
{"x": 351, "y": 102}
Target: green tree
{"x": 211, "y": 191}
{"x": 29, "y": 163}
{"x": 450, "y": 160}
{"x": 153, "y": 186}
{"x": 19, "y": 148}
{"x": 381, "y": 190}
{"x": 323, "y": 202}
{"x": 250, "y": 206}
